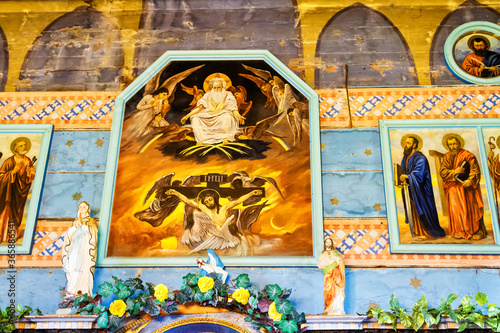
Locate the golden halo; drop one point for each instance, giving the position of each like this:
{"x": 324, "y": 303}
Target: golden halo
{"x": 206, "y": 190}
{"x": 21, "y": 138}
{"x": 420, "y": 141}
{"x": 447, "y": 136}
{"x": 216, "y": 75}
{"x": 498, "y": 141}
{"x": 470, "y": 43}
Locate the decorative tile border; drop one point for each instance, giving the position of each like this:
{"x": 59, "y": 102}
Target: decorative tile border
{"x": 62, "y": 109}
{"x": 367, "y": 105}
{"x": 47, "y": 247}
{"x": 365, "y": 243}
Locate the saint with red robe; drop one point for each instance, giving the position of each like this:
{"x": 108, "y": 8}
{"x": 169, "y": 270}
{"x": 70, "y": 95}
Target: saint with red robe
{"x": 16, "y": 175}
{"x": 461, "y": 175}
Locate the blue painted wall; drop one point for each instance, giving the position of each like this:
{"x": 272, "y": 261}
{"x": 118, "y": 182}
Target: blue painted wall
{"x": 40, "y": 287}
{"x": 351, "y": 172}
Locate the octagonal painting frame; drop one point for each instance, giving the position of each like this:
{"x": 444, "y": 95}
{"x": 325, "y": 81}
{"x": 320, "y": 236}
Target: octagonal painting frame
{"x": 275, "y": 151}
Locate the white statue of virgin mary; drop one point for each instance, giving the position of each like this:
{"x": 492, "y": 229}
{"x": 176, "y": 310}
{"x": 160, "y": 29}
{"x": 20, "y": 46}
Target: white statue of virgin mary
{"x": 79, "y": 253}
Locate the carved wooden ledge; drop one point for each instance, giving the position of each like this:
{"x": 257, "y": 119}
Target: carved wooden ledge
{"x": 59, "y": 322}
{"x": 314, "y": 323}
{"x": 352, "y": 322}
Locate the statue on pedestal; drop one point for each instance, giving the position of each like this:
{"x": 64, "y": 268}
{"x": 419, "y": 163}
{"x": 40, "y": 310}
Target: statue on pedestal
{"x": 332, "y": 264}
{"x": 79, "y": 253}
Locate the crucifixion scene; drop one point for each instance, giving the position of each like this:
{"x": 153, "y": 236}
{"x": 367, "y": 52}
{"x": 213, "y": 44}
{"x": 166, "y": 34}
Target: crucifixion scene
{"x": 214, "y": 155}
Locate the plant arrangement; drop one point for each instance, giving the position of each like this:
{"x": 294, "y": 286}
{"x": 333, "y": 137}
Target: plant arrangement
{"x": 468, "y": 315}
{"x": 12, "y": 314}
{"x": 268, "y": 308}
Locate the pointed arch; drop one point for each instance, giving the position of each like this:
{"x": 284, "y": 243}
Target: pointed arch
{"x": 4, "y": 60}
{"x": 373, "y": 48}
{"x": 469, "y": 11}
{"x": 80, "y": 50}
{"x": 217, "y": 25}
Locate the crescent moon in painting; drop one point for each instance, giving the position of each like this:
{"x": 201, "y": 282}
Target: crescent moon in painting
{"x": 274, "y": 225}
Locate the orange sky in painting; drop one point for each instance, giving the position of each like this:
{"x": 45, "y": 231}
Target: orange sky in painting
{"x": 289, "y": 234}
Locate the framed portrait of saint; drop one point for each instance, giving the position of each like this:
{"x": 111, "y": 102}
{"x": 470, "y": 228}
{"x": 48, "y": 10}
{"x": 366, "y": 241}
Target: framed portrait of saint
{"x": 472, "y": 53}
{"x": 24, "y": 153}
{"x": 439, "y": 186}
{"x": 213, "y": 150}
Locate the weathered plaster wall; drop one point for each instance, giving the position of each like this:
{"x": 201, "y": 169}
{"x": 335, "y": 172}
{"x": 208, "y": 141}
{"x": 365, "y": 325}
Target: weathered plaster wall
{"x": 51, "y": 44}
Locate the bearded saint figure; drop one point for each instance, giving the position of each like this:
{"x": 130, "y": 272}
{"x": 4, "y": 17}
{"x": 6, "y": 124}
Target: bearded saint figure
{"x": 16, "y": 176}
{"x": 482, "y": 62}
{"x": 461, "y": 175}
{"x": 216, "y": 118}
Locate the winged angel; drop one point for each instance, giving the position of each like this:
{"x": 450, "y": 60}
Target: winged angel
{"x": 281, "y": 95}
{"x": 208, "y": 224}
{"x": 149, "y": 116}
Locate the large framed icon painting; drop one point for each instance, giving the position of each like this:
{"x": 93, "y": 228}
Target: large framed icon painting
{"x": 24, "y": 151}
{"x": 213, "y": 150}
{"x": 442, "y": 182}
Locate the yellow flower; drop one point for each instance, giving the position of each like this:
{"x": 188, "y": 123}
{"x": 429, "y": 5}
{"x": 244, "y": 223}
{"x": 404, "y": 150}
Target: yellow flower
{"x": 161, "y": 292}
{"x": 118, "y": 308}
{"x": 241, "y": 295}
{"x": 205, "y": 284}
{"x": 275, "y": 315}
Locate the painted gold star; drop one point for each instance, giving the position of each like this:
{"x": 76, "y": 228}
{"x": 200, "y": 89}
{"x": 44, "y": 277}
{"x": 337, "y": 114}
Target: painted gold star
{"x": 415, "y": 283}
{"x": 377, "y": 207}
{"x": 372, "y": 304}
{"x": 334, "y": 201}
{"x": 368, "y": 152}
{"x": 99, "y": 143}
{"x": 82, "y": 162}
{"x": 69, "y": 143}
{"x": 322, "y": 146}
{"x": 77, "y": 196}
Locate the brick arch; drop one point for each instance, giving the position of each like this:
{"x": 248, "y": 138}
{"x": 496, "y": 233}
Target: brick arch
{"x": 373, "y": 48}
{"x": 469, "y": 11}
{"x": 217, "y": 25}
{"x": 4, "y": 60}
{"x": 80, "y": 50}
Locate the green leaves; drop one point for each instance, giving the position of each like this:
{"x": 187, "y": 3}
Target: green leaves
{"x": 103, "y": 320}
{"x": 283, "y": 307}
{"x": 142, "y": 298}
{"x": 121, "y": 290}
{"x": 151, "y": 307}
{"x": 468, "y": 315}
{"x": 288, "y": 326}
{"x": 11, "y": 315}
{"x": 273, "y": 290}
{"x": 138, "y": 296}
{"x": 105, "y": 289}
{"x": 189, "y": 280}
{"x": 467, "y": 304}
{"x": 242, "y": 281}
{"x": 481, "y": 298}
{"x": 134, "y": 284}
{"x": 394, "y": 303}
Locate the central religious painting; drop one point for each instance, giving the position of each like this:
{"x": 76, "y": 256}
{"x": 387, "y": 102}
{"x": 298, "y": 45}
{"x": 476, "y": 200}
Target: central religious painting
{"x": 213, "y": 153}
